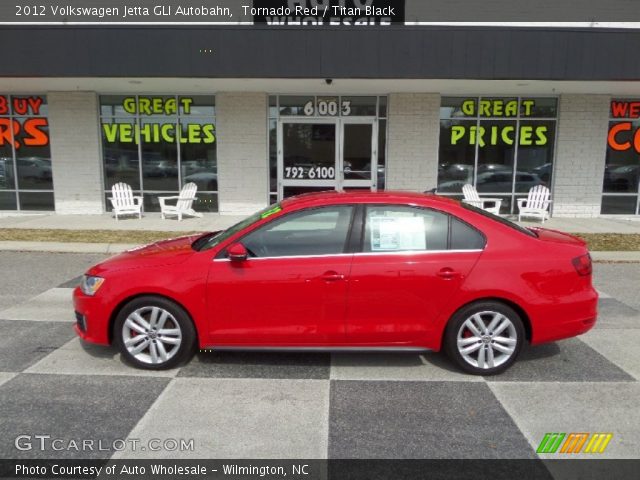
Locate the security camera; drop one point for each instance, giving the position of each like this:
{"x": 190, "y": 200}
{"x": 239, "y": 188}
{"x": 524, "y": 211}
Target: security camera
{"x": 328, "y": 81}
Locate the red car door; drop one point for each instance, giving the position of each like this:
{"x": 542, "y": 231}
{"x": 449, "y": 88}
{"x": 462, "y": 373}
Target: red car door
{"x": 406, "y": 273}
{"x": 292, "y": 288}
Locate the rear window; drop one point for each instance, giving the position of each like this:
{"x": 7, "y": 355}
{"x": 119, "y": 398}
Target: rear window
{"x": 465, "y": 237}
{"x": 503, "y": 221}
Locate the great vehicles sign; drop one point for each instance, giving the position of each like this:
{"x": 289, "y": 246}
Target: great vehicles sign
{"x": 162, "y": 130}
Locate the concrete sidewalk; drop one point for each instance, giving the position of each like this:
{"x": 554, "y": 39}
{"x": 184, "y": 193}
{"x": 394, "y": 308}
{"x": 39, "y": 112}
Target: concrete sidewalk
{"x": 215, "y": 221}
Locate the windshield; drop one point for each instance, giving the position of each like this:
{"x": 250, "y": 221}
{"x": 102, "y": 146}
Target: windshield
{"x": 215, "y": 238}
{"x": 499, "y": 219}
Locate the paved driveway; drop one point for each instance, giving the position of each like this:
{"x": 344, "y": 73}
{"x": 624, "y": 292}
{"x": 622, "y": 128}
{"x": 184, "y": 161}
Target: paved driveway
{"x": 250, "y": 405}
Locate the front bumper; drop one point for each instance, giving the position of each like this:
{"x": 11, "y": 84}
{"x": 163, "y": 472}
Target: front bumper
{"x": 92, "y": 318}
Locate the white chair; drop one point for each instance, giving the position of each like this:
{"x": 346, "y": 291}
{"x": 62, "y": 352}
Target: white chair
{"x": 536, "y": 204}
{"x": 472, "y": 198}
{"x": 183, "y": 203}
{"x": 123, "y": 201}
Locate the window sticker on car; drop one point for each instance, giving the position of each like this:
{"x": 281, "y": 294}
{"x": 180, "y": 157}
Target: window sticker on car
{"x": 398, "y": 233}
{"x": 271, "y": 211}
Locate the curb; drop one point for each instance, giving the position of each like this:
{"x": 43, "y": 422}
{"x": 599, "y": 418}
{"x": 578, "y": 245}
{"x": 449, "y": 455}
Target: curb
{"x": 112, "y": 248}
{"x": 633, "y": 256}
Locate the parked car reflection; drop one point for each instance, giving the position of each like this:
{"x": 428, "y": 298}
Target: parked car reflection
{"x": 621, "y": 178}
{"x": 497, "y": 181}
{"x": 207, "y": 181}
{"x": 35, "y": 168}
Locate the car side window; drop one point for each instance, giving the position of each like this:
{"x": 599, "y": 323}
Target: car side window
{"x": 393, "y": 228}
{"x": 396, "y": 228}
{"x": 464, "y": 237}
{"x": 318, "y": 231}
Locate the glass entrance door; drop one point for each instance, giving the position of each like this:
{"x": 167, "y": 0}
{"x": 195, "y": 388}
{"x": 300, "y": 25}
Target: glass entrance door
{"x": 326, "y": 154}
{"x": 307, "y": 156}
{"x": 358, "y": 156}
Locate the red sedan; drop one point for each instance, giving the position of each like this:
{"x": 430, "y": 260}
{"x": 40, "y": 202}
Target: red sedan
{"x": 342, "y": 272}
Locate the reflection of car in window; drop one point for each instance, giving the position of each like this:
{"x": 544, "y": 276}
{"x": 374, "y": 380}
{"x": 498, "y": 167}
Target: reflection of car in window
{"x": 120, "y": 161}
{"x": 502, "y": 181}
{"x": 622, "y": 178}
{"x": 544, "y": 172}
{"x": 160, "y": 168}
{"x": 496, "y": 181}
{"x": 458, "y": 171}
{"x": 34, "y": 167}
{"x": 207, "y": 181}
{"x": 494, "y": 167}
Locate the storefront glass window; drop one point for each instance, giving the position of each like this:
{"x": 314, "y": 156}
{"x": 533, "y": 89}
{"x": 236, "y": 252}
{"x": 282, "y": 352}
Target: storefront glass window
{"x": 156, "y": 144}
{"x": 502, "y": 145}
{"x": 120, "y": 153}
{"x": 496, "y": 157}
{"x": 622, "y": 166}
{"x": 159, "y": 153}
{"x": 26, "y": 181}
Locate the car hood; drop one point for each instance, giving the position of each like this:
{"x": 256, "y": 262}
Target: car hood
{"x": 165, "y": 252}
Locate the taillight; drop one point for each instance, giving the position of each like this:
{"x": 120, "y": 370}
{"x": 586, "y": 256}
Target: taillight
{"x": 582, "y": 264}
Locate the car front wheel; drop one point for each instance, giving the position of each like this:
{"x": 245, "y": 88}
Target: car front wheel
{"x": 484, "y": 338}
{"x": 154, "y": 333}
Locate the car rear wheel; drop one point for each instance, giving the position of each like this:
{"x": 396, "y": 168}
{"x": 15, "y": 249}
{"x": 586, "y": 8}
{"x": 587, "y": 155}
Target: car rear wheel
{"x": 484, "y": 338}
{"x": 154, "y": 333}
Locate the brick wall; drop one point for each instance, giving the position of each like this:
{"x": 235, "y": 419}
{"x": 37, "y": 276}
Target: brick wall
{"x": 75, "y": 152}
{"x": 242, "y": 152}
{"x": 413, "y": 138}
{"x": 580, "y": 155}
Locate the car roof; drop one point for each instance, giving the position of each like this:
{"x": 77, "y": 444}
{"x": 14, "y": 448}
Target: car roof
{"x": 390, "y": 196}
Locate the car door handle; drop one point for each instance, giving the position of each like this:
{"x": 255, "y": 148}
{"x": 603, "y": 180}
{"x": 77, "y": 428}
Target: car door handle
{"x": 332, "y": 276}
{"x": 448, "y": 273}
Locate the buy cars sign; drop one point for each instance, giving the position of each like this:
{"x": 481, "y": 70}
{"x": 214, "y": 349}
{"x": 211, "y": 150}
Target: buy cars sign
{"x": 20, "y": 124}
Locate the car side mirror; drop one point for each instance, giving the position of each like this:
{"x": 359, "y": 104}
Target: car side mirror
{"x": 237, "y": 252}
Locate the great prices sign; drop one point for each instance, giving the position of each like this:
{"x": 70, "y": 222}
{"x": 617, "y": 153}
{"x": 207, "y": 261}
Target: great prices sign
{"x": 624, "y": 135}
{"x": 149, "y": 131}
{"x": 499, "y": 132}
{"x": 20, "y": 124}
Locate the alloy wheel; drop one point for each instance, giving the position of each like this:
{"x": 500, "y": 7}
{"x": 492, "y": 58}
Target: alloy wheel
{"x": 151, "y": 335}
{"x": 487, "y": 339}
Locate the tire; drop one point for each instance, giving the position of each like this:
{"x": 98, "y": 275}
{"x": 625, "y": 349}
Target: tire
{"x": 492, "y": 351}
{"x": 161, "y": 348}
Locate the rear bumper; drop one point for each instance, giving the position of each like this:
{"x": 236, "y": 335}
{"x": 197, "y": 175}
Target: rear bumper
{"x": 92, "y": 318}
{"x": 567, "y": 320}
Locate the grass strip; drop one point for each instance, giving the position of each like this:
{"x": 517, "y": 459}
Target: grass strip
{"x": 87, "y": 236}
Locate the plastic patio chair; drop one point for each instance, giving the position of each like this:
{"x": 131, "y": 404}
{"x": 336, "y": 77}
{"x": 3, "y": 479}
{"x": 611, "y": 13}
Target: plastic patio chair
{"x": 472, "y": 198}
{"x": 536, "y": 204}
{"x": 183, "y": 205}
{"x": 124, "y": 202}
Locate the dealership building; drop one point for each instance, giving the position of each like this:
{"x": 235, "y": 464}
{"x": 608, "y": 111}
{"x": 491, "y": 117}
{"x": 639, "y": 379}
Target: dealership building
{"x": 253, "y": 114}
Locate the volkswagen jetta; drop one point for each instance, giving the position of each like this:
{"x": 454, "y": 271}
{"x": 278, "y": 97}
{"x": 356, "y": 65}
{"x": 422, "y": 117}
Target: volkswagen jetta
{"x": 345, "y": 271}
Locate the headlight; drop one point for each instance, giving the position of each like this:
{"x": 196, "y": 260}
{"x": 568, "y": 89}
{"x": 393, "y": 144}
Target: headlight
{"x": 90, "y": 285}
